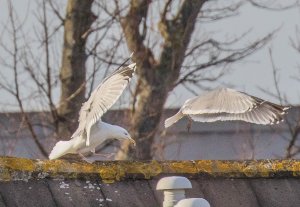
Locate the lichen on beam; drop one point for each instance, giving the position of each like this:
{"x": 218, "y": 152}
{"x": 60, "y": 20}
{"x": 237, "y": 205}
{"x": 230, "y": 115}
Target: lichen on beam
{"x": 13, "y": 168}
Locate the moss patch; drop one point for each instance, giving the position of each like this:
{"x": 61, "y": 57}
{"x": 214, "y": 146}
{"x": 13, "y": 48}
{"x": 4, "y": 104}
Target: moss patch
{"x": 12, "y": 168}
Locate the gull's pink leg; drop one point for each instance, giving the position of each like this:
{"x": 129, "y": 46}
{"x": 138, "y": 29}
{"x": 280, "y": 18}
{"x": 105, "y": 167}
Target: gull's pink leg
{"x": 86, "y": 159}
{"x": 189, "y": 124}
{"x": 108, "y": 155}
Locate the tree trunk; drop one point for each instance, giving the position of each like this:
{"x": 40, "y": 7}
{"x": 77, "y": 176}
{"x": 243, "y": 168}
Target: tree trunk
{"x": 155, "y": 78}
{"x": 146, "y": 116}
{"x": 79, "y": 18}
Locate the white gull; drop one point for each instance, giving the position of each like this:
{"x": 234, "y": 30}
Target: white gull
{"x": 225, "y": 104}
{"x": 91, "y": 131}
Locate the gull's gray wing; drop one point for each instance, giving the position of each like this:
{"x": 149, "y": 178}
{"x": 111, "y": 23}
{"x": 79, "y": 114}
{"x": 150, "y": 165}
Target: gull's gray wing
{"x": 217, "y": 101}
{"x": 102, "y": 98}
{"x": 220, "y": 100}
{"x": 225, "y": 104}
{"x": 265, "y": 113}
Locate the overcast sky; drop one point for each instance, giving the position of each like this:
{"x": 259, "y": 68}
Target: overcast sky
{"x": 255, "y": 71}
{"x": 250, "y": 75}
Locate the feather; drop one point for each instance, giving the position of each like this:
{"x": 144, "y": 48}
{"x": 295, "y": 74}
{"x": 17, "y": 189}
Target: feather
{"x": 61, "y": 148}
{"x": 173, "y": 119}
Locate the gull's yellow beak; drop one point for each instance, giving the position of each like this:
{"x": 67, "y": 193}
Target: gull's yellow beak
{"x": 132, "y": 141}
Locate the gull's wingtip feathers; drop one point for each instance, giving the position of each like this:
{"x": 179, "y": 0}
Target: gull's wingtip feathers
{"x": 132, "y": 66}
{"x": 127, "y": 71}
{"x": 131, "y": 55}
{"x": 285, "y": 110}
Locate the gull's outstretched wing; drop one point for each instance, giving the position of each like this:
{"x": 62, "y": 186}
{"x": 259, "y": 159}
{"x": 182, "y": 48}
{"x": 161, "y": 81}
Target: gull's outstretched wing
{"x": 102, "y": 98}
{"x": 265, "y": 113}
{"x": 220, "y": 100}
{"x": 224, "y": 104}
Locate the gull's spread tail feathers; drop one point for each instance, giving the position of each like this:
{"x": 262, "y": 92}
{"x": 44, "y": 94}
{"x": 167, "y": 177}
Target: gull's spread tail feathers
{"x": 173, "y": 119}
{"x": 61, "y": 148}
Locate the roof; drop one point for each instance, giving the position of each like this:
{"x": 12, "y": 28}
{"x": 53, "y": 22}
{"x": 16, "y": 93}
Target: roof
{"x": 26, "y": 182}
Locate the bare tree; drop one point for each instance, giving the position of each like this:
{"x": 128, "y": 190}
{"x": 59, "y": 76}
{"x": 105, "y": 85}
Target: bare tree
{"x": 167, "y": 54}
{"x": 35, "y": 62}
{"x": 158, "y": 76}
{"x": 14, "y": 89}
{"x": 43, "y": 79}
{"x": 77, "y": 22}
{"x": 292, "y": 124}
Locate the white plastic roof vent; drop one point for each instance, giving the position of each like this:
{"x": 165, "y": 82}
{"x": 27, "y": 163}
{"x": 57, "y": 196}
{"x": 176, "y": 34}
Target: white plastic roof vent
{"x": 174, "y": 189}
{"x": 193, "y": 202}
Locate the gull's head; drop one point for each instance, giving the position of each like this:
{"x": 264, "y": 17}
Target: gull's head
{"x": 123, "y": 134}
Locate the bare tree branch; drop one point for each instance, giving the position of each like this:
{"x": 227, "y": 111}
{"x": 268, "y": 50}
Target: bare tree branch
{"x": 215, "y": 14}
{"x": 268, "y": 5}
{"x": 15, "y": 53}
{"x": 236, "y": 55}
{"x": 294, "y": 125}
{"x": 56, "y": 11}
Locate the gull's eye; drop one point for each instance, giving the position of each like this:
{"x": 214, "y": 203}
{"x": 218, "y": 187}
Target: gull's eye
{"x": 125, "y": 133}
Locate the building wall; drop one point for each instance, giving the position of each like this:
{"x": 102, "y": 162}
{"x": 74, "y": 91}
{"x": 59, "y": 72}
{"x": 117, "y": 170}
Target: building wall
{"x": 220, "y": 140}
